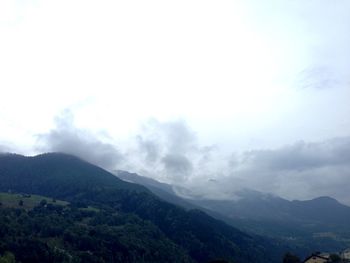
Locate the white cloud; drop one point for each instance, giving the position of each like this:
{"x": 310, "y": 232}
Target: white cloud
{"x": 232, "y": 70}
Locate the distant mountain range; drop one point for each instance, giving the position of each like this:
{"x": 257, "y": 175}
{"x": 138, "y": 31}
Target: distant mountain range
{"x": 318, "y": 224}
{"x": 259, "y": 206}
{"x": 111, "y": 220}
{"x": 164, "y": 191}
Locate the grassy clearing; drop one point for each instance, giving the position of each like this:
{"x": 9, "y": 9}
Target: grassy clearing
{"x": 26, "y": 201}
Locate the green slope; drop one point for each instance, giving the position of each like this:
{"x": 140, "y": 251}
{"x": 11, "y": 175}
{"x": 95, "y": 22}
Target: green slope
{"x": 68, "y": 178}
{"x": 25, "y": 201}
{"x": 56, "y": 174}
{"x": 54, "y": 233}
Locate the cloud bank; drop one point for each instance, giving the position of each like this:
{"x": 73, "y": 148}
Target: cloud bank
{"x": 67, "y": 138}
{"x": 170, "y": 152}
{"x": 301, "y": 170}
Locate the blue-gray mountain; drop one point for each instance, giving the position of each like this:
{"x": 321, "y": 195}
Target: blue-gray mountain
{"x": 320, "y": 224}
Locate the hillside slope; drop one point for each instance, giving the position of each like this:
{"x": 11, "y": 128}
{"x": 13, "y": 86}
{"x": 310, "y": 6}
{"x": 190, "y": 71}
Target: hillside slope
{"x": 71, "y": 179}
{"x": 320, "y": 224}
{"x": 305, "y": 226}
{"x": 50, "y": 231}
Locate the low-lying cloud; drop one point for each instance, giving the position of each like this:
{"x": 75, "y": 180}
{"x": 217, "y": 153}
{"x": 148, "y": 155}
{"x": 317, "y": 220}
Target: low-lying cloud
{"x": 301, "y": 170}
{"x": 3, "y": 149}
{"x": 6, "y": 147}
{"x": 66, "y": 138}
{"x": 170, "y": 152}
{"x": 177, "y": 166}
{"x": 301, "y": 156}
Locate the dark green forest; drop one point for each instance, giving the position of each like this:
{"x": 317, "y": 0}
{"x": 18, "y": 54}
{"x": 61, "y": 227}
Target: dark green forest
{"x": 128, "y": 223}
{"x": 55, "y": 233}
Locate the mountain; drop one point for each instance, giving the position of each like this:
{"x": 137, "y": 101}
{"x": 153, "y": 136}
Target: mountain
{"x": 260, "y": 206}
{"x": 168, "y": 193}
{"x": 142, "y": 223}
{"x": 320, "y": 224}
{"x": 56, "y": 174}
{"x": 36, "y": 228}
{"x": 322, "y": 209}
{"x": 162, "y": 190}
{"x": 307, "y": 226}
{"x": 142, "y": 180}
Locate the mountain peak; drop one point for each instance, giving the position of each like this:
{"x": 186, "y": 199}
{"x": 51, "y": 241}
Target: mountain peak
{"x": 322, "y": 200}
{"x": 325, "y": 199}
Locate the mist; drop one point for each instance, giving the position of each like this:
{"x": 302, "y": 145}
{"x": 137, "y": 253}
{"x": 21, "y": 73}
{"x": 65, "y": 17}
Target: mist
{"x": 240, "y": 94}
{"x": 170, "y": 152}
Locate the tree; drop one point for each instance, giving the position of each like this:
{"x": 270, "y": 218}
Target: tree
{"x": 8, "y": 257}
{"x": 335, "y": 258}
{"x": 43, "y": 202}
{"x": 290, "y": 258}
{"x": 20, "y": 203}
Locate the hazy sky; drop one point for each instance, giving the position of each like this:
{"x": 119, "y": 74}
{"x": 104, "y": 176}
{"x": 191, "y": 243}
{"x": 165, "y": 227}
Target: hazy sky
{"x": 214, "y": 95}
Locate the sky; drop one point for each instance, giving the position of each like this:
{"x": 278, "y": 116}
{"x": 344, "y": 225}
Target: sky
{"x": 215, "y": 96}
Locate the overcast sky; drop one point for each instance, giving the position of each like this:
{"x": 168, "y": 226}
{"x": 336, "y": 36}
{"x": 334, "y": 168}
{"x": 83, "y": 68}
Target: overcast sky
{"x": 213, "y": 95}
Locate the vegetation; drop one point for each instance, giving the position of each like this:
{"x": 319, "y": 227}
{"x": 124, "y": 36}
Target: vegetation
{"x": 55, "y": 233}
{"x": 302, "y": 225}
{"x": 25, "y": 201}
{"x": 109, "y": 220}
{"x": 7, "y": 258}
{"x": 290, "y": 222}
{"x": 290, "y": 258}
{"x": 335, "y": 258}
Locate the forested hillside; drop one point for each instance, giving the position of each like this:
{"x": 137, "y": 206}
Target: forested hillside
{"x": 157, "y": 226}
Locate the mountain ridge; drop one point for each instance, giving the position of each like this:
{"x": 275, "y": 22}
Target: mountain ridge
{"x": 296, "y": 222}
{"x": 71, "y": 179}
